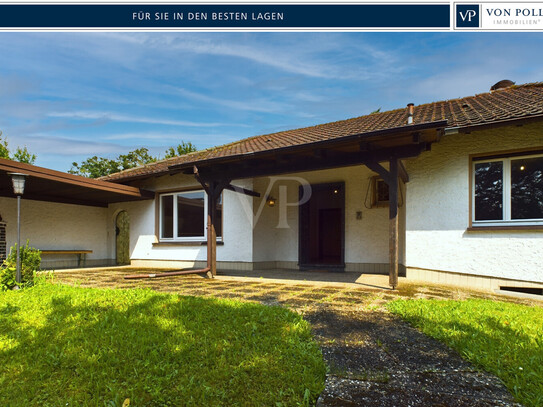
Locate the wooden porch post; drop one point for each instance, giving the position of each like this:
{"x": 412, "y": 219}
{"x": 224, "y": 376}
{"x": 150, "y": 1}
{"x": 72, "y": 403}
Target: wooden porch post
{"x": 393, "y": 223}
{"x": 212, "y": 194}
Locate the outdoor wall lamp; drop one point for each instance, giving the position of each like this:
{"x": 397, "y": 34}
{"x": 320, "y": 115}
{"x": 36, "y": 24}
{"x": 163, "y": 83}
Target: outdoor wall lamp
{"x": 270, "y": 201}
{"x": 18, "y": 181}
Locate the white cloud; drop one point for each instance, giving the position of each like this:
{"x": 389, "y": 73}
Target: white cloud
{"x": 326, "y": 56}
{"x": 45, "y": 144}
{"x": 108, "y": 116}
{"x": 254, "y": 105}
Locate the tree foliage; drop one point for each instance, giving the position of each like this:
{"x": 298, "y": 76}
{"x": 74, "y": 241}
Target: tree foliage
{"x": 24, "y": 156}
{"x": 4, "y": 151}
{"x": 21, "y": 154}
{"x": 95, "y": 167}
{"x": 181, "y": 149}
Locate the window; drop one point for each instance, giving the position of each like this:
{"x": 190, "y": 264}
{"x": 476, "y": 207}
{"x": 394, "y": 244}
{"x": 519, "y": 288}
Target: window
{"x": 378, "y": 195}
{"x": 508, "y": 190}
{"x": 381, "y": 192}
{"x": 183, "y": 216}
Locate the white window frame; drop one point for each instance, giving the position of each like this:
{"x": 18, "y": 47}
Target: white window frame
{"x": 175, "y": 238}
{"x": 506, "y": 192}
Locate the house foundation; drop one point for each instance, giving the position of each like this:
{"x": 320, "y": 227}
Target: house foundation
{"x": 475, "y": 282}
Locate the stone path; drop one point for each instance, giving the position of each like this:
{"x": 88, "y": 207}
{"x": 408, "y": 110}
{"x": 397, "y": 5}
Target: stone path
{"x": 375, "y": 359}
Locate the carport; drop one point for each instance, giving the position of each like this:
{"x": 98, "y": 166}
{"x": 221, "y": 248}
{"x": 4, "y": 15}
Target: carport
{"x": 51, "y": 188}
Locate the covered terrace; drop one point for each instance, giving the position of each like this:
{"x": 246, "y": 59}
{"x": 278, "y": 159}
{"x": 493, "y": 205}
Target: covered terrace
{"x": 381, "y": 151}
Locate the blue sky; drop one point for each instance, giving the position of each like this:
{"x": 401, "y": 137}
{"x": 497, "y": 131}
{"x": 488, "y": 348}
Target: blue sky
{"x": 68, "y": 96}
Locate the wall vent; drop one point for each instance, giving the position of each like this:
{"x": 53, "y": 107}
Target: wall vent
{"x": 523, "y": 290}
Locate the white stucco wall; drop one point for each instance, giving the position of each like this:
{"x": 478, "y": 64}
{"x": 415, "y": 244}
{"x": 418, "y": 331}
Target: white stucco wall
{"x": 366, "y": 240}
{"x": 237, "y": 225}
{"x": 49, "y": 225}
{"x": 438, "y": 211}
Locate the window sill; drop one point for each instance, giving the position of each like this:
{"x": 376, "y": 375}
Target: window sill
{"x": 504, "y": 228}
{"x": 188, "y": 243}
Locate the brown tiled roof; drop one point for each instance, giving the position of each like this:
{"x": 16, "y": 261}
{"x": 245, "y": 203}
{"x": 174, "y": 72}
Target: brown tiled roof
{"x": 493, "y": 107}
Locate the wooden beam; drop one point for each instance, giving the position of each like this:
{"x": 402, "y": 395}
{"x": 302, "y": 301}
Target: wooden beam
{"x": 196, "y": 173}
{"x": 379, "y": 169}
{"x": 283, "y": 159}
{"x": 389, "y": 135}
{"x": 211, "y": 232}
{"x": 393, "y": 223}
{"x": 403, "y": 172}
{"x": 320, "y": 153}
{"x": 213, "y": 189}
{"x": 343, "y": 159}
{"x": 241, "y": 190}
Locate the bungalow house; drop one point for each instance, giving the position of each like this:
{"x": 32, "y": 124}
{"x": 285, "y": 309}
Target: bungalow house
{"x": 448, "y": 191}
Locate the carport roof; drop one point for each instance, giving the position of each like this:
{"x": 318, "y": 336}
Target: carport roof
{"x": 43, "y": 184}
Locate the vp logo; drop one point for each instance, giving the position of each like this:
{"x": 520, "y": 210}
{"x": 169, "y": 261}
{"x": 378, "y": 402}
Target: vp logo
{"x": 467, "y": 15}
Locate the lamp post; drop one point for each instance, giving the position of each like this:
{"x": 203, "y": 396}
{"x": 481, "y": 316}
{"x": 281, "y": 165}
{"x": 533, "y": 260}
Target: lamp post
{"x": 18, "y": 180}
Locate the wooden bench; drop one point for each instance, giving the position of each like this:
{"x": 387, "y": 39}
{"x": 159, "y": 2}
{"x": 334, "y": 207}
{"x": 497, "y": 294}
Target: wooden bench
{"x": 80, "y": 254}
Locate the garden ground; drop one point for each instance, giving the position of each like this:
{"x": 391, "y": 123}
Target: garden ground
{"x": 374, "y": 358}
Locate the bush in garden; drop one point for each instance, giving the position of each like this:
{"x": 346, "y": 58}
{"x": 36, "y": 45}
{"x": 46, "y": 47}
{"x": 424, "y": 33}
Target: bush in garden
{"x": 30, "y": 263}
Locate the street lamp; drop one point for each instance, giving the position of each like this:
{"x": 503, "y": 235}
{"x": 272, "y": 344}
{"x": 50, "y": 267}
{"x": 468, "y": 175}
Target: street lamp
{"x": 18, "y": 180}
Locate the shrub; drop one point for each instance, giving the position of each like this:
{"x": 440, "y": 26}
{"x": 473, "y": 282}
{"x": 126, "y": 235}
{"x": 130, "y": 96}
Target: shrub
{"x": 30, "y": 263}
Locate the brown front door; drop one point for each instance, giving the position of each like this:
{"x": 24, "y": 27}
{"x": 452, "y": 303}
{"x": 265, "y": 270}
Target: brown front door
{"x": 322, "y": 227}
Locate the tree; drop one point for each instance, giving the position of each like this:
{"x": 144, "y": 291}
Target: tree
{"x": 4, "y": 151}
{"x": 181, "y": 149}
{"x": 95, "y": 167}
{"x": 21, "y": 154}
{"x": 139, "y": 156}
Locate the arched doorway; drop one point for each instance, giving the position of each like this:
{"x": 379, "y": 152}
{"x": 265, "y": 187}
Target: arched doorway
{"x": 122, "y": 239}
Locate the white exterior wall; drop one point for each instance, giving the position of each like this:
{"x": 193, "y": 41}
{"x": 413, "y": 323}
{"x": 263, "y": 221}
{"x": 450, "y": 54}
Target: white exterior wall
{"x": 237, "y": 225}
{"x": 366, "y": 240}
{"x": 49, "y": 225}
{"x": 438, "y": 211}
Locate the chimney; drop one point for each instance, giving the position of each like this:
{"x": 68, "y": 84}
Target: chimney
{"x": 410, "y": 109}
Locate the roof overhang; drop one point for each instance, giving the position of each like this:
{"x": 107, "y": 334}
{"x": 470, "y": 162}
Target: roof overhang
{"x": 43, "y": 184}
{"x": 376, "y": 146}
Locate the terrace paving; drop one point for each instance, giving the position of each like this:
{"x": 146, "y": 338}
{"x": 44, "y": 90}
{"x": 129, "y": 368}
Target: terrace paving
{"x": 374, "y": 358}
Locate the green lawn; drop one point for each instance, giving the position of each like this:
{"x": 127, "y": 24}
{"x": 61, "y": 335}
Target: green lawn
{"x": 503, "y": 338}
{"x": 71, "y": 346}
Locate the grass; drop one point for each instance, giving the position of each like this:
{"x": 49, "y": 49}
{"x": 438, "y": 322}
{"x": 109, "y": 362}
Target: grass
{"x": 73, "y": 346}
{"x": 503, "y": 338}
